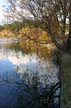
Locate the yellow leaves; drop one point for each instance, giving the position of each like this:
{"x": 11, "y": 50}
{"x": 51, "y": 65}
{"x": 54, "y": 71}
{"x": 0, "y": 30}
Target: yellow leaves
{"x": 6, "y": 33}
{"x": 29, "y": 45}
{"x": 32, "y": 47}
{"x": 32, "y": 32}
{"x": 36, "y": 33}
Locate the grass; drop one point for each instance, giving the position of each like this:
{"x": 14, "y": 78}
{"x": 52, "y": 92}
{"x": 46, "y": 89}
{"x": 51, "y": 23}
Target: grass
{"x": 66, "y": 61}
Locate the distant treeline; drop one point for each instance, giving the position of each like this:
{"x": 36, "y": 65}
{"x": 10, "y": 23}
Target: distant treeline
{"x": 16, "y": 26}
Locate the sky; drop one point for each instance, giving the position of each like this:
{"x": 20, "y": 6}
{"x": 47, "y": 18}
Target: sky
{"x": 2, "y": 17}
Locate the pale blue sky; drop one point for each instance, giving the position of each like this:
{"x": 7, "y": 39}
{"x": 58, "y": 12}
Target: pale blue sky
{"x": 3, "y": 19}
{"x": 2, "y": 4}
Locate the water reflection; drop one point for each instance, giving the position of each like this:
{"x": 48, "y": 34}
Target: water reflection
{"x": 23, "y": 76}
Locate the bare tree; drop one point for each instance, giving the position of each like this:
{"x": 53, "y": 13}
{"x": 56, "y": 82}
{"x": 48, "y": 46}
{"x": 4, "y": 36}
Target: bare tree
{"x": 53, "y": 14}
{"x": 48, "y": 12}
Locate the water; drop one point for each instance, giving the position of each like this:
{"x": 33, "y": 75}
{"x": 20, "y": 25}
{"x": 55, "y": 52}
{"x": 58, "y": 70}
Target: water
{"x": 22, "y": 75}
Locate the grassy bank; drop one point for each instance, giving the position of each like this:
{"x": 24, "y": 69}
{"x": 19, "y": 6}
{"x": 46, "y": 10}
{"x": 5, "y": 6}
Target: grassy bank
{"x": 66, "y": 61}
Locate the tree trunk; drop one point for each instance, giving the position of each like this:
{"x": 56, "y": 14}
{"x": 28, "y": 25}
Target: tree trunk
{"x": 70, "y": 21}
{"x": 68, "y": 44}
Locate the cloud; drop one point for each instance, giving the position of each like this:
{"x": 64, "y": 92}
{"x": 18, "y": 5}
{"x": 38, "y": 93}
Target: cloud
{"x": 2, "y": 18}
{"x": 3, "y": 5}
{"x": 3, "y": 15}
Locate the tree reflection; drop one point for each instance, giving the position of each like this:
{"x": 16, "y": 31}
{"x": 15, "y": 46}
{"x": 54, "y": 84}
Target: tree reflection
{"x": 27, "y": 79}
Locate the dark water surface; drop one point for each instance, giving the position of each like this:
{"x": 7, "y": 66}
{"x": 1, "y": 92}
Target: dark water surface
{"x": 22, "y": 76}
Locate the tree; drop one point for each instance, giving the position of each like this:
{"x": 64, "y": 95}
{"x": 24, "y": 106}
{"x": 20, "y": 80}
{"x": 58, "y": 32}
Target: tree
{"x": 48, "y": 12}
{"x": 53, "y": 14}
